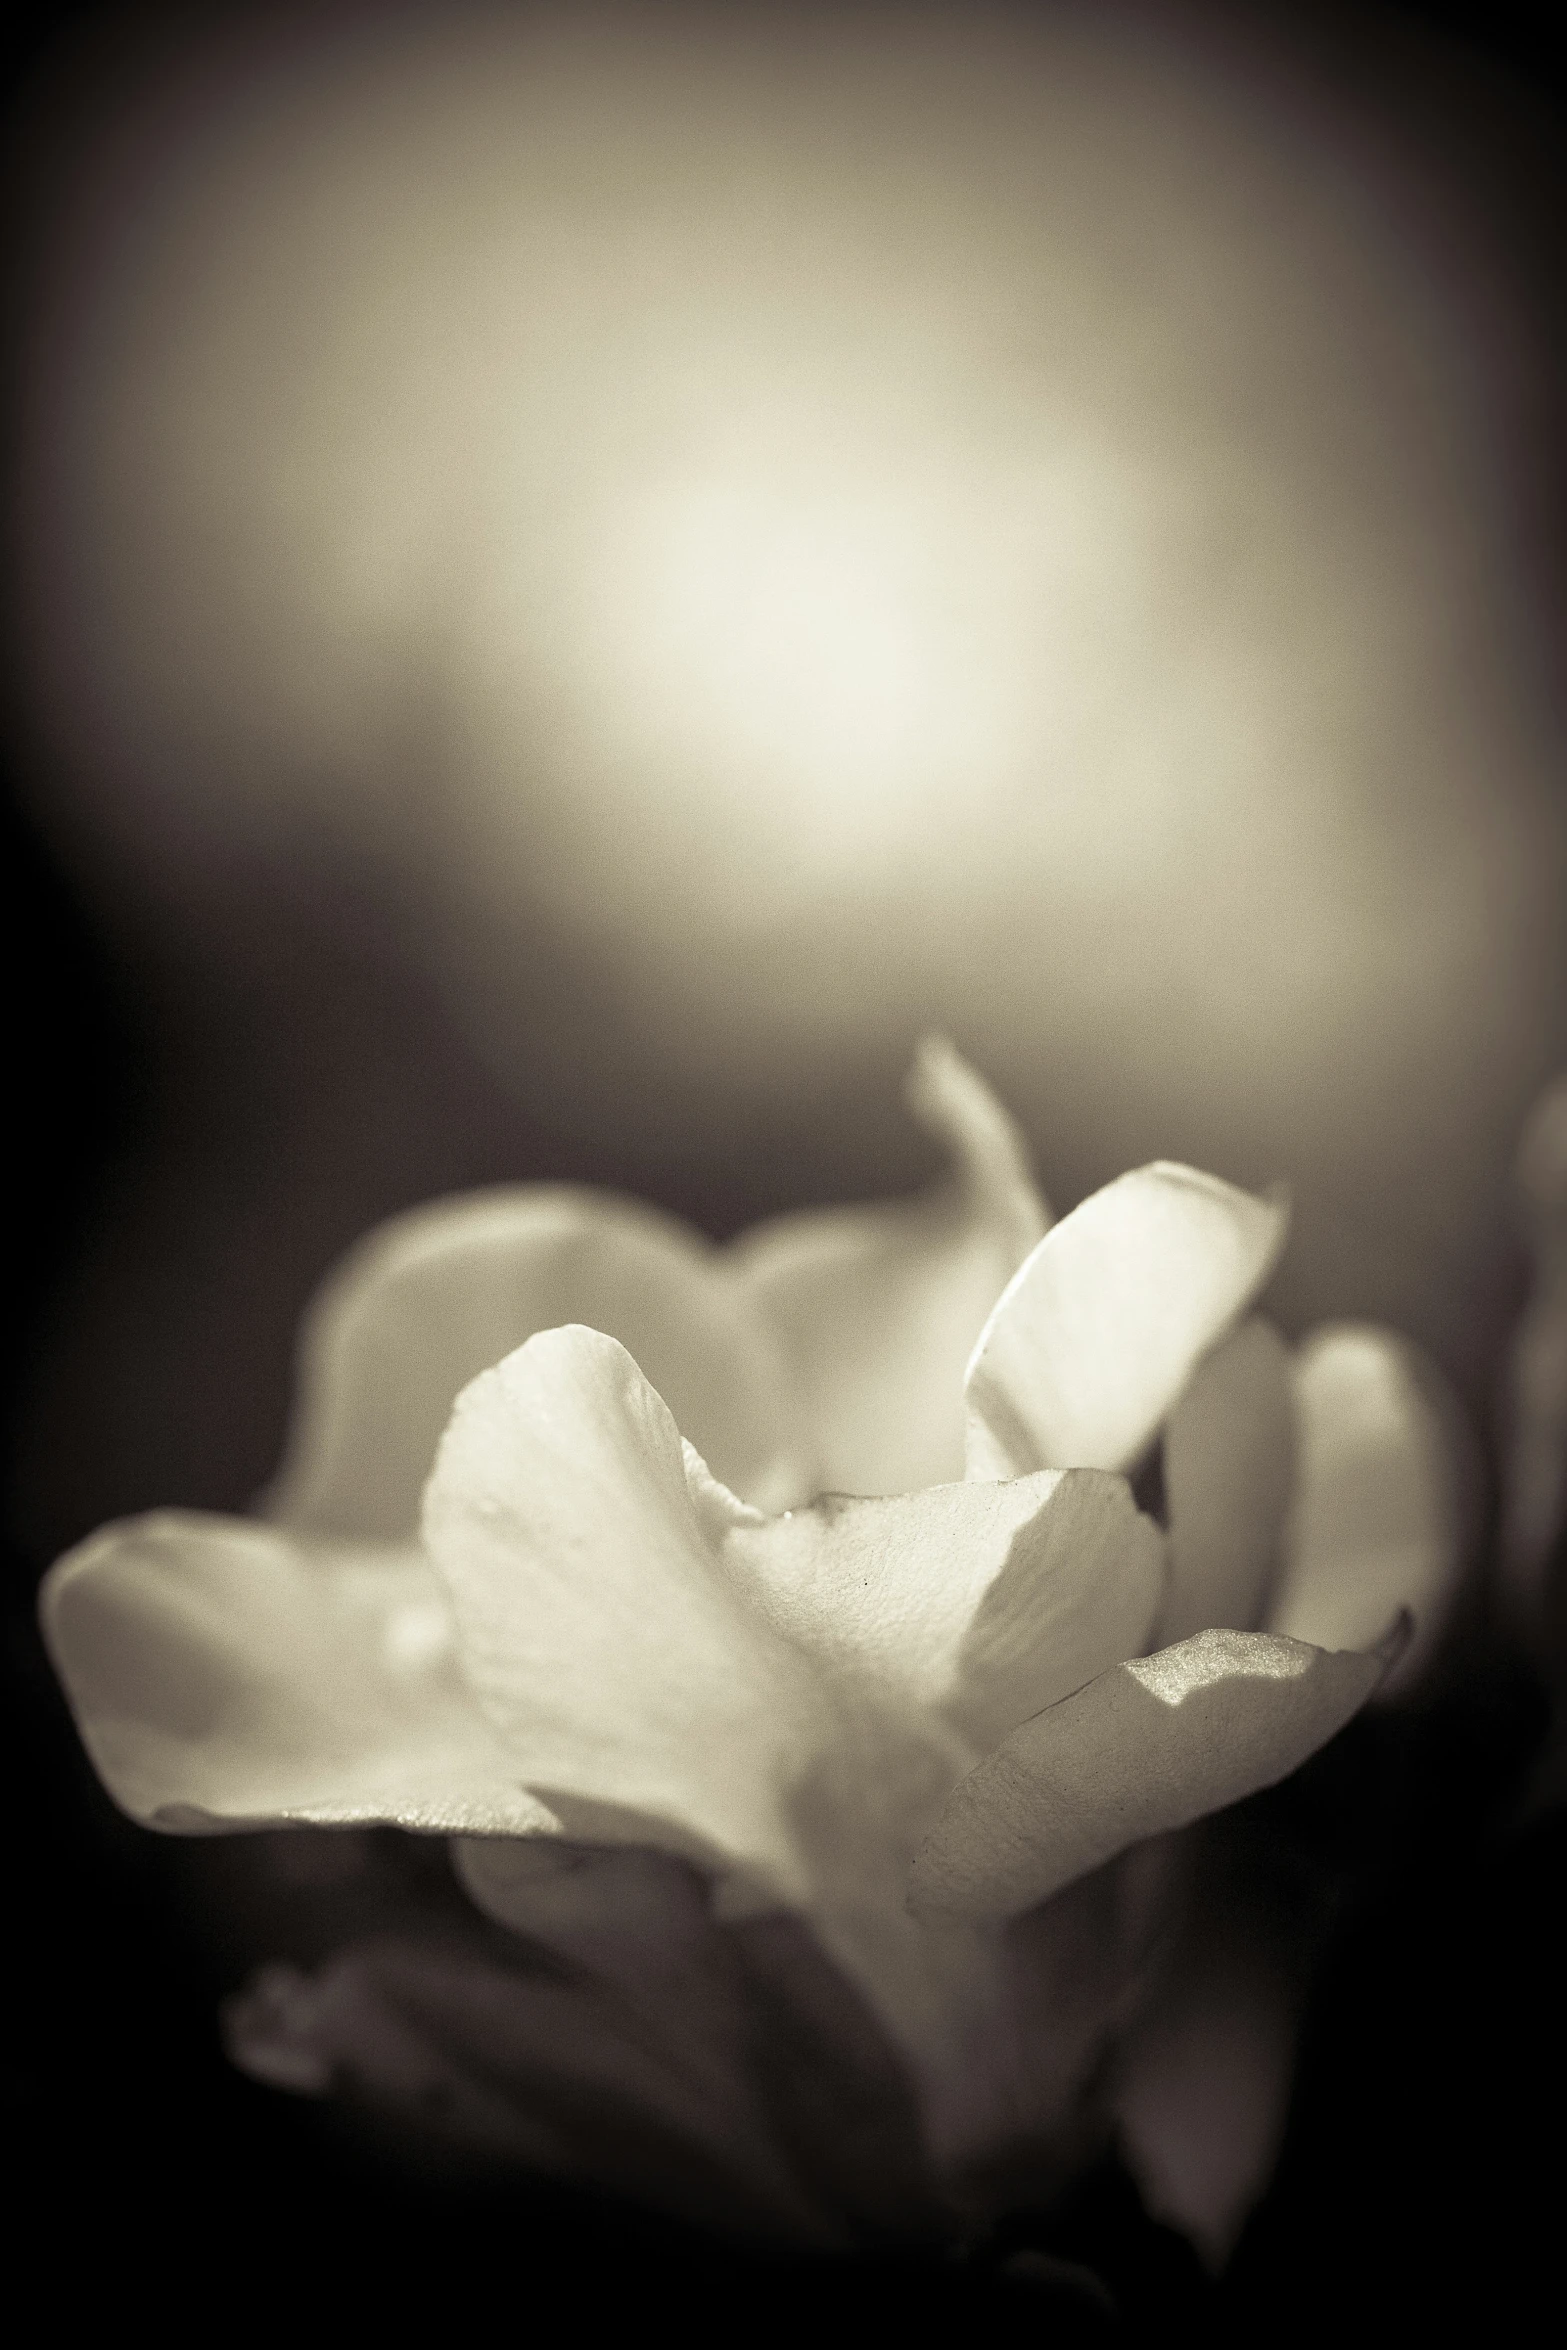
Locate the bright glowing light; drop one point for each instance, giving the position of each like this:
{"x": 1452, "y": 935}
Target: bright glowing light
{"x": 811, "y": 533}
{"x": 786, "y": 632}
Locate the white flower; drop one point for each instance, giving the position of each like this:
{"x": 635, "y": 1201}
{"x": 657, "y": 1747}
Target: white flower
{"x": 810, "y": 1561}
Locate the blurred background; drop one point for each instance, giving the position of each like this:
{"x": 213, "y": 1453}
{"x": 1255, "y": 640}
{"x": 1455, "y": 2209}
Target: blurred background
{"x": 578, "y": 576}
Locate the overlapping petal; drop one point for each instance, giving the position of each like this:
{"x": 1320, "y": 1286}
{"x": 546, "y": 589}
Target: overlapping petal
{"x": 226, "y": 1674}
{"x": 1376, "y": 1523}
{"x": 432, "y": 1298}
{"x": 877, "y": 1308}
{"x": 910, "y": 1710}
{"x": 514, "y": 2061}
{"x": 1148, "y": 1746}
{"x": 1099, "y": 1330}
{"x": 802, "y": 2067}
{"x": 979, "y": 1602}
{"x": 1203, "y": 2084}
{"x": 1229, "y": 1468}
{"x": 607, "y": 1643}
{"x": 819, "y": 1352}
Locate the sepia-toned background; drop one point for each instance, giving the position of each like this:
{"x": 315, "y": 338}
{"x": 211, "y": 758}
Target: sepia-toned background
{"x": 576, "y": 579}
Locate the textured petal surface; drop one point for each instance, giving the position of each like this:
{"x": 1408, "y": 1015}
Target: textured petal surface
{"x": 612, "y": 1648}
{"x": 983, "y": 1601}
{"x": 1148, "y": 1746}
{"x": 1099, "y": 1331}
{"x": 1229, "y": 1463}
{"x": 1376, "y": 1521}
{"x": 225, "y": 1674}
{"x": 431, "y": 1299}
{"x": 877, "y": 1308}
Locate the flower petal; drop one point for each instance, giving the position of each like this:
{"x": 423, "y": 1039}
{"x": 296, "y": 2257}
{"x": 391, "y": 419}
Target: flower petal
{"x": 1535, "y": 1495}
{"x": 1098, "y": 1332}
{"x": 798, "y": 2059}
{"x": 1148, "y": 1746}
{"x": 1229, "y": 1460}
{"x": 1376, "y": 1523}
{"x": 479, "y": 2046}
{"x": 598, "y": 1624}
{"x": 877, "y": 1308}
{"x": 985, "y": 1602}
{"x": 429, "y": 1300}
{"x": 225, "y": 1675}
{"x": 1204, "y": 2086}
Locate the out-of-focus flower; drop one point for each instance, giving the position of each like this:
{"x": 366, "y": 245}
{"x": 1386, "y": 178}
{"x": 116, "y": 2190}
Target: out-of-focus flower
{"x": 775, "y": 1629}
{"x": 1533, "y": 1547}
{"x": 1536, "y": 1495}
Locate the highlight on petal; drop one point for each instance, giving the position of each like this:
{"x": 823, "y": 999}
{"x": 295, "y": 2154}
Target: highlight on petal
{"x": 1376, "y": 1523}
{"x": 1099, "y": 1331}
{"x": 982, "y": 1602}
{"x": 1147, "y": 1746}
{"x": 432, "y": 1298}
{"x": 1229, "y": 1464}
{"x": 227, "y": 1675}
{"x": 877, "y": 1308}
{"x": 598, "y": 1623}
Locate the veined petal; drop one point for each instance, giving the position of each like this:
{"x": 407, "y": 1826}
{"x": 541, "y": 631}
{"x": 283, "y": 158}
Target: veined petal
{"x": 1229, "y": 1462}
{"x": 1099, "y": 1331}
{"x": 615, "y": 1653}
{"x": 228, "y": 1675}
{"x": 877, "y": 1308}
{"x": 1376, "y": 1523}
{"x": 1148, "y": 1746}
{"x": 432, "y": 1298}
{"x": 984, "y": 1602}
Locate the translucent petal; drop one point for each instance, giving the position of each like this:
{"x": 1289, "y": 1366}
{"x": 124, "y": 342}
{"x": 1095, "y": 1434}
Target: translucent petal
{"x": 1203, "y": 2090}
{"x": 983, "y": 1601}
{"x": 473, "y": 2044}
{"x": 755, "y": 2002}
{"x": 1147, "y": 1746}
{"x": 877, "y": 1308}
{"x": 1229, "y": 1461}
{"x": 225, "y": 1675}
{"x": 606, "y": 1639}
{"x": 432, "y": 1298}
{"x": 1535, "y": 1492}
{"x": 1099, "y": 1331}
{"x": 1376, "y": 1520}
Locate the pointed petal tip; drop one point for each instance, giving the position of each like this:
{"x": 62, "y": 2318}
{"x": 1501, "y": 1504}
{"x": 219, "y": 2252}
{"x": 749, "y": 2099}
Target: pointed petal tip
{"x": 876, "y": 1306}
{"x": 948, "y": 1097}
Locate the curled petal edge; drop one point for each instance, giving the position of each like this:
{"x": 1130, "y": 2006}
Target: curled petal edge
{"x": 1148, "y": 1746}
{"x": 1100, "y": 1328}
